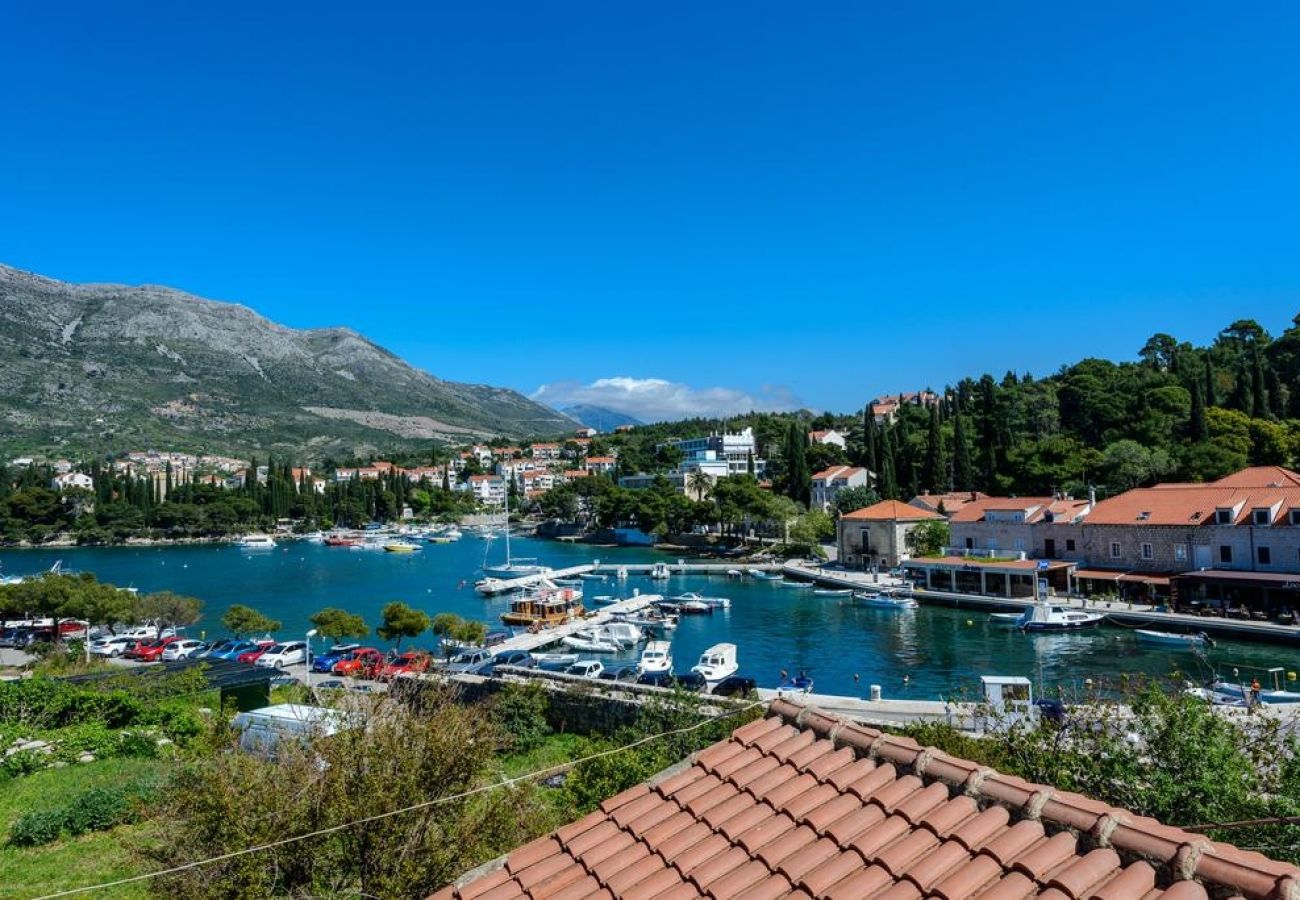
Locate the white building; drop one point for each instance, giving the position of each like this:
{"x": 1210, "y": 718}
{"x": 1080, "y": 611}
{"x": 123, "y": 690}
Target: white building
{"x": 828, "y": 484}
{"x": 737, "y": 449}
{"x": 831, "y": 436}
{"x": 66, "y": 480}
{"x": 490, "y": 490}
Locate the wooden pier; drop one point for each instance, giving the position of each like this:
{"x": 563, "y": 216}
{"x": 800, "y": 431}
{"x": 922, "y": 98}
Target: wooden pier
{"x": 531, "y": 641}
{"x": 495, "y": 586}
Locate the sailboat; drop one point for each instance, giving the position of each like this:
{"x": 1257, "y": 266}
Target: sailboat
{"x": 514, "y": 568}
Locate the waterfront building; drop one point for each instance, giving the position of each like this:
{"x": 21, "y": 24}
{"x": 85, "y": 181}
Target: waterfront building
{"x": 490, "y": 490}
{"x": 877, "y": 535}
{"x": 1018, "y": 527}
{"x": 827, "y": 484}
{"x": 737, "y": 449}
{"x": 946, "y": 504}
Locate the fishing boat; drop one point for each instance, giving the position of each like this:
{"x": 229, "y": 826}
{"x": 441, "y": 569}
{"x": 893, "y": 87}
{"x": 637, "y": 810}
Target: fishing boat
{"x": 336, "y": 540}
{"x": 886, "y": 600}
{"x": 543, "y": 608}
{"x": 692, "y": 597}
{"x": 1043, "y": 616}
{"x": 656, "y": 657}
{"x": 256, "y": 542}
{"x": 588, "y": 643}
{"x": 401, "y": 547}
{"x": 717, "y": 663}
{"x": 1237, "y": 692}
{"x": 832, "y": 592}
{"x": 760, "y": 575}
{"x": 795, "y": 584}
{"x": 513, "y": 567}
{"x": 1171, "y": 639}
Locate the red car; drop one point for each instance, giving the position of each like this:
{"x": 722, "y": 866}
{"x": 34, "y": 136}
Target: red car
{"x": 409, "y": 663}
{"x": 360, "y": 663}
{"x": 250, "y": 656}
{"x": 150, "y": 651}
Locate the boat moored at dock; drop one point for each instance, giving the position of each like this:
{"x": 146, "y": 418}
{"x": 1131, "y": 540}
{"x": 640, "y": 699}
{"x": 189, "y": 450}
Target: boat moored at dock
{"x": 1044, "y": 616}
{"x": 717, "y": 663}
{"x": 1170, "y": 639}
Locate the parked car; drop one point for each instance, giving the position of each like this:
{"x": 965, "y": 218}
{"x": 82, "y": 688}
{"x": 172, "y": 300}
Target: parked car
{"x": 470, "y": 662}
{"x": 150, "y": 651}
{"x": 252, "y": 654}
{"x": 215, "y": 647}
{"x": 231, "y": 650}
{"x": 492, "y": 638}
{"x": 112, "y": 646}
{"x": 620, "y": 673}
{"x": 735, "y": 686}
{"x": 691, "y": 681}
{"x": 586, "y": 668}
{"x": 277, "y": 656}
{"x": 182, "y": 649}
{"x": 412, "y": 662}
{"x": 360, "y": 663}
{"x": 324, "y": 662}
{"x": 519, "y": 658}
{"x": 656, "y": 679}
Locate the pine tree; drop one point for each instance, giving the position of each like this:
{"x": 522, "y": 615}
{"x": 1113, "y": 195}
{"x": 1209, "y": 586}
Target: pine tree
{"x": 935, "y": 467}
{"x": 963, "y": 470}
{"x": 1197, "y": 428}
{"x": 888, "y": 476}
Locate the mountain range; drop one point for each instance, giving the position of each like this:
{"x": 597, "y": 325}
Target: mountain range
{"x": 598, "y": 417}
{"x": 105, "y": 367}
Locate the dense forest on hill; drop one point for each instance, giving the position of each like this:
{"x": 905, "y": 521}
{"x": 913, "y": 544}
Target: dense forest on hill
{"x": 1176, "y": 412}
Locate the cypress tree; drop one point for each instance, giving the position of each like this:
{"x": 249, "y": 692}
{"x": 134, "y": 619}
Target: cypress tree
{"x": 1210, "y": 398}
{"x": 871, "y": 443}
{"x": 1259, "y": 393}
{"x": 888, "y": 477}
{"x": 989, "y": 431}
{"x": 963, "y": 470}
{"x": 1197, "y": 428}
{"x": 935, "y": 468}
{"x": 797, "y": 475}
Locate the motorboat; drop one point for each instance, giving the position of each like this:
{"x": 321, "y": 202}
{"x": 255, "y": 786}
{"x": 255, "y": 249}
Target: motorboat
{"x": 586, "y": 642}
{"x": 1239, "y": 693}
{"x": 717, "y": 663}
{"x": 692, "y": 597}
{"x": 592, "y": 576}
{"x": 256, "y": 542}
{"x": 656, "y": 657}
{"x": 440, "y": 539}
{"x": 1043, "y": 616}
{"x": 619, "y": 632}
{"x": 832, "y": 592}
{"x": 569, "y": 582}
{"x": 604, "y": 599}
{"x": 735, "y": 573}
{"x": 554, "y": 660}
{"x": 1194, "y": 640}
{"x": 1006, "y": 619}
{"x": 760, "y": 575}
{"x": 544, "y": 608}
{"x": 665, "y": 622}
{"x": 886, "y": 600}
{"x": 338, "y": 540}
{"x": 693, "y": 608}
{"x": 785, "y": 582}
{"x": 659, "y": 572}
{"x": 401, "y": 547}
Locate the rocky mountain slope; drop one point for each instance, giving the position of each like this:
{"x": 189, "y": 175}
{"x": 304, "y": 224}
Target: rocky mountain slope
{"x": 112, "y": 367}
{"x": 598, "y": 417}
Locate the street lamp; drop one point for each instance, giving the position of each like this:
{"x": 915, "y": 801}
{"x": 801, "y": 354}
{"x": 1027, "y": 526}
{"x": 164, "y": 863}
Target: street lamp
{"x": 310, "y": 634}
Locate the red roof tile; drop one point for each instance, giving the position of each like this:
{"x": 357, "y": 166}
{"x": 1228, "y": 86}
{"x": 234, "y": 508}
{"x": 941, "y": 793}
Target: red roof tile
{"x": 783, "y": 810}
{"x": 891, "y": 511}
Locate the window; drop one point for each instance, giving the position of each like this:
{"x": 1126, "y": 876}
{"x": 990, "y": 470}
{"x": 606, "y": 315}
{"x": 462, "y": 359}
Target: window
{"x": 1223, "y": 517}
{"x": 1180, "y": 553}
{"x": 1147, "y": 551}
{"x": 1295, "y": 517}
{"x": 1261, "y": 517}
{"x": 970, "y": 543}
{"x": 1069, "y": 545}
{"x": 1225, "y": 553}
{"x": 1114, "y": 549}
{"x": 1263, "y": 556}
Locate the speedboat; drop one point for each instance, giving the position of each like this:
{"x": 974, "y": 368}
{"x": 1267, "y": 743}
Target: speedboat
{"x": 401, "y": 547}
{"x": 604, "y": 599}
{"x": 734, "y": 573}
{"x": 592, "y": 576}
{"x": 1006, "y": 619}
{"x": 717, "y": 663}
{"x": 588, "y": 643}
{"x": 832, "y": 592}
{"x": 1043, "y": 616}
{"x": 656, "y": 657}
{"x": 1171, "y": 639}
{"x": 659, "y": 572}
{"x": 763, "y": 576}
{"x": 693, "y": 608}
{"x": 256, "y": 542}
{"x": 886, "y": 600}
{"x": 692, "y": 597}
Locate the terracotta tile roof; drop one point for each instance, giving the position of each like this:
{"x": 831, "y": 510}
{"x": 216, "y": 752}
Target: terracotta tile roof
{"x": 1035, "y": 508}
{"x": 1260, "y": 476}
{"x": 952, "y": 501}
{"x": 891, "y": 510}
{"x": 835, "y": 472}
{"x": 801, "y": 804}
{"x": 1192, "y": 504}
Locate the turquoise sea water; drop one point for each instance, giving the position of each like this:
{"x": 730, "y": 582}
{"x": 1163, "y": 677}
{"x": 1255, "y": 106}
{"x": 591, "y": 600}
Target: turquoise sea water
{"x": 930, "y": 653}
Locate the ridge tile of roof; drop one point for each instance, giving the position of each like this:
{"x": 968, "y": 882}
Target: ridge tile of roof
{"x": 801, "y": 803}
{"x": 891, "y": 510}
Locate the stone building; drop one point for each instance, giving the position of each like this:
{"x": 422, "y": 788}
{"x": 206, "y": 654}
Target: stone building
{"x": 877, "y": 534}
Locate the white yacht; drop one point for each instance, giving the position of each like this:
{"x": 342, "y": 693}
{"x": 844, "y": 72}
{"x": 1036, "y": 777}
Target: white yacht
{"x": 656, "y": 657}
{"x": 717, "y": 663}
{"x": 714, "y": 602}
{"x": 1043, "y": 616}
{"x": 256, "y": 542}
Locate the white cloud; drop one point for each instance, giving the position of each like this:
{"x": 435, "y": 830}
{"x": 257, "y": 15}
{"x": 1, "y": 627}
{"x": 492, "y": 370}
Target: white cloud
{"x": 658, "y": 400}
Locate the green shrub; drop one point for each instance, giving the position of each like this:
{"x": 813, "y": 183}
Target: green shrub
{"x": 94, "y": 809}
{"x": 520, "y": 711}
{"x": 24, "y": 762}
{"x": 36, "y": 828}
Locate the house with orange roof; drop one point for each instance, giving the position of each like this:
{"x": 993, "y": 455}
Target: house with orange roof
{"x": 827, "y": 484}
{"x": 804, "y": 804}
{"x": 877, "y": 534}
{"x": 885, "y": 409}
{"x": 1021, "y": 527}
{"x": 573, "y": 475}
{"x": 490, "y": 490}
{"x": 601, "y": 465}
{"x": 948, "y": 503}
{"x": 829, "y": 436}
{"x": 545, "y": 451}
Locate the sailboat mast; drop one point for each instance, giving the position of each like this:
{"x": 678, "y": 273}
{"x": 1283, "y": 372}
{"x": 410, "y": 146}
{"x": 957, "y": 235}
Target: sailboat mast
{"x": 507, "y": 523}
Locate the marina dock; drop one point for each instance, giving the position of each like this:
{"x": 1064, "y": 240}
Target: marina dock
{"x": 531, "y": 641}
{"x": 612, "y": 570}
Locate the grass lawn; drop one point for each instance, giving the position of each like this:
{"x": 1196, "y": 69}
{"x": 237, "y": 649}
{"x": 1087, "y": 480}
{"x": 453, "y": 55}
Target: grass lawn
{"x": 90, "y": 859}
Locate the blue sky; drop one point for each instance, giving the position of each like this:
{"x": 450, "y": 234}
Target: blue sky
{"x": 762, "y": 202}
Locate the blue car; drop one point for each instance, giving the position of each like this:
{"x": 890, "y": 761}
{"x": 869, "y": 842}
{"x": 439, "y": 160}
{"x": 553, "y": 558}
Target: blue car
{"x": 215, "y": 648}
{"x": 233, "y": 650}
{"x": 324, "y": 662}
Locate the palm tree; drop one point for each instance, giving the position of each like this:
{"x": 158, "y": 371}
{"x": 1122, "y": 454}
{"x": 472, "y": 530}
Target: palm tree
{"x": 699, "y": 482}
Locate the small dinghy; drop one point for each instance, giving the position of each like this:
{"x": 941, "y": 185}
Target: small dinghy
{"x": 832, "y": 592}
{"x": 886, "y": 600}
{"x": 590, "y": 644}
{"x": 554, "y": 660}
{"x": 1171, "y": 639}
{"x": 800, "y": 684}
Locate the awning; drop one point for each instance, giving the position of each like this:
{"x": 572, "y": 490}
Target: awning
{"x": 1098, "y": 574}
{"x": 1282, "y": 580}
{"x": 1135, "y": 578}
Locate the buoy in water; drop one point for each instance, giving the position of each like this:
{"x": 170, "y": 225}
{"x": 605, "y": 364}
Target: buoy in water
{"x": 970, "y": 622}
